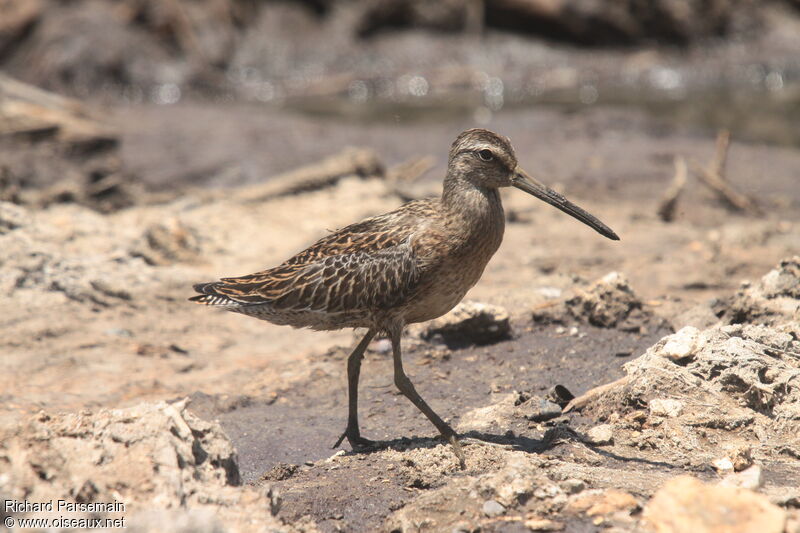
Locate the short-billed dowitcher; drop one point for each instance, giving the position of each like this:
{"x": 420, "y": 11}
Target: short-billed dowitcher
{"x": 409, "y": 265}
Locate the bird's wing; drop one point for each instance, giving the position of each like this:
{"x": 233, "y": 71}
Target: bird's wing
{"x": 368, "y": 265}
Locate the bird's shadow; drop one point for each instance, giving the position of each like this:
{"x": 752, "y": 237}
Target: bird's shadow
{"x": 552, "y": 438}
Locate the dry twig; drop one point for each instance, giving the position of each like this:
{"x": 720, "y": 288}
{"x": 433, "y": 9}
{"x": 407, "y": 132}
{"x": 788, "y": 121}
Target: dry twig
{"x": 713, "y": 176}
{"x": 669, "y": 202}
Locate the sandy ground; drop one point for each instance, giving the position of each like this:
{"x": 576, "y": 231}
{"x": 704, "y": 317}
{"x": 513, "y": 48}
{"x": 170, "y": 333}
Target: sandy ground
{"x": 97, "y": 318}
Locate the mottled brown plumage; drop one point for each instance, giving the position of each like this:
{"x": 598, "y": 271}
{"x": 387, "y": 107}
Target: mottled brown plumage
{"x": 409, "y": 265}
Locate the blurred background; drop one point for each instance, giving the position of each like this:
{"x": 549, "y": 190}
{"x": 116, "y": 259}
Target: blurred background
{"x": 226, "y": 92}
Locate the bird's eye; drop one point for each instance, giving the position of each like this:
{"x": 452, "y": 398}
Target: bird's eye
{"x": 486, "y": 155}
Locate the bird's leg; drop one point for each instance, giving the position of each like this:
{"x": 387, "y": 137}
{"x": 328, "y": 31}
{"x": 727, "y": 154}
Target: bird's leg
{"x": 407, "y": 388}
{"x": 353, "y": 371}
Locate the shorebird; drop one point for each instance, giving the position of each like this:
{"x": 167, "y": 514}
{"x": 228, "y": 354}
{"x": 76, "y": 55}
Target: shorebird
{"x": 410, "y": 265}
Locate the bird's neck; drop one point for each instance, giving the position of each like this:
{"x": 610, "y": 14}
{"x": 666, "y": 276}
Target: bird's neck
{"x": 475, "y": 209}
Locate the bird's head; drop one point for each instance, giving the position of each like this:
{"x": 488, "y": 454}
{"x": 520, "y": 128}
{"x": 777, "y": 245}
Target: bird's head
{"x": 487, "y": 160}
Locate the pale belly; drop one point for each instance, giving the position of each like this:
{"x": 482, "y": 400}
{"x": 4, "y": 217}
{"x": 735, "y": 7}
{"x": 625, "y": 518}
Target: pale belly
{"x": 443, "y": 292}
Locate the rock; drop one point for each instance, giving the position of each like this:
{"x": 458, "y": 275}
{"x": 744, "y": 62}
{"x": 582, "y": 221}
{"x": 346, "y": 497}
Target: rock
{"x": 665, "y": 407}
{"x": 774, "y": 299}
{"x": 747, "y": 365}
{"x": 152, "y": 456}
{"x": 751, "y": 478}
{"x": 680, "y": 345}
{"x": 492, "y": 508}
{"x": 600, "y": 435}
{"x": 470, "y": 323}
{"x": 610, "y": 303}
{"x": 723, "y": 464}
{"x": 686, "y": 504}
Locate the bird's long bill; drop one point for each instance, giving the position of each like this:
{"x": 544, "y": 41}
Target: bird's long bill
{"x": 525, "y": 182}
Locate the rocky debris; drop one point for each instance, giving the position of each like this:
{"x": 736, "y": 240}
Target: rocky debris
{"x": 609, "y": 302}
{"x": 447, "y": 15}
{"x": 469, "y": 323}
{"x": 508, "y": 408}
{"x": 569, "y": 20}
{"x": 620, "y": 23}
{"x": 686, "y": 504}
{"x": 733, "y": 388}
{"x": 519, "y": 486}
{"x": 17, "y": 17}
{"x": 155, "y": 458}
{"x": 754, "y": 365}
{"x": 54, "y": 150}
{"x": 35, "y": 260}
{"x": 603, "y": 502}
{"x": 167, "y": 242}
{"x": 774, "y": 298}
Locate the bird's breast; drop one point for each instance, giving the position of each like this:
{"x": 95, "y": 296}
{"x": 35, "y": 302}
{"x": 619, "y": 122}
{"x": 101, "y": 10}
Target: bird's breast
{"x": 454, "y": 262}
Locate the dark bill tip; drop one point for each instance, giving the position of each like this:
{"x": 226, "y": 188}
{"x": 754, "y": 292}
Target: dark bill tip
{"x": 541, "y": 191}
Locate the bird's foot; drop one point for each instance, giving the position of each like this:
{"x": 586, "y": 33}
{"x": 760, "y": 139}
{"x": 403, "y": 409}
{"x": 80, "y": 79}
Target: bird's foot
{"x": 457, "y": 450}
{"x": 357, "y": 442}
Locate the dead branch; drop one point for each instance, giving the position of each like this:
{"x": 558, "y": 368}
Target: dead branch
{"x": 352, "y": 162}
{"x": 669, "y": 202}
{"x": 591, "y": 395}
{"x": 28, "y": 110}
{"x": 399, "y": 177}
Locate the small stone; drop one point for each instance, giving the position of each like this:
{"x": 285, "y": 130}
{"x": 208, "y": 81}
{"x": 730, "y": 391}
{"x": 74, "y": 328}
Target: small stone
{"x": 723, "y": 464}
{"x": 600, "y": 435}
{"x": 666, "y": 407}
{"x": 539, "y": 409}
{"x": 680, "y": 345}
{"x": 383, "y": 346}
{"x": 492, "y": 508}
{"x": 751, "y": 478}
{"x": 573, "y": 485}
{"x": 543, "y": 524}
{"x": 336, "y": 455}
